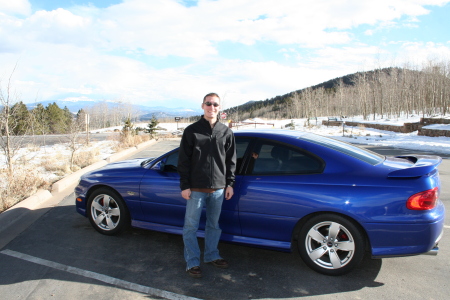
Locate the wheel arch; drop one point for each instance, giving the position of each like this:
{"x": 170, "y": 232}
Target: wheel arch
{"x": 302, "y": 221}
{"x": 95, "y": 188}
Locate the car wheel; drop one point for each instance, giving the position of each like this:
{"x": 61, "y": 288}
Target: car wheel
{"x": 331, "y": 244}
{"x": 107, "y": 211}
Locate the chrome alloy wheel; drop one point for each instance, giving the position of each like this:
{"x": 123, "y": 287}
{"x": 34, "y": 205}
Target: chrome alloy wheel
{"x": 330, "y": 245}
{"x": 105, "y": 212}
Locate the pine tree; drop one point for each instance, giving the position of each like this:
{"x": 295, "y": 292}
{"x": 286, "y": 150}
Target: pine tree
{"x": 20, "y": 119}
{"x": 81, "y": 115}
{"x": 41, "y": 123}
{"x": 152, "y": 127}
{"x": 128, "y": 127}
{"x": 67, "y": 119}
{"x": 55, "y": 117}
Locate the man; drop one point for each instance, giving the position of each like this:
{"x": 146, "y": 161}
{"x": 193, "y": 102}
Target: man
{"x": 206, "y": 164}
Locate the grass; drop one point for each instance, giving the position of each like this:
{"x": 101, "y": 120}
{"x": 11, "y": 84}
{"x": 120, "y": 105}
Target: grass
{"x": 27, "y": 177}
{"x": 24, "y": 182}
{"x": 130, "y": 140}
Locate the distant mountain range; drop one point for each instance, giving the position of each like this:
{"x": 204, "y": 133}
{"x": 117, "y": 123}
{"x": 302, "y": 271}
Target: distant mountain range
{"x": 146, "y": 111}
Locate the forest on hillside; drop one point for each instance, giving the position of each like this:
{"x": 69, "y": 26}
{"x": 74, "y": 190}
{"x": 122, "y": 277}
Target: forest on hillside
{"x": 52, "y": 119}
{"x": 385, "y": 93}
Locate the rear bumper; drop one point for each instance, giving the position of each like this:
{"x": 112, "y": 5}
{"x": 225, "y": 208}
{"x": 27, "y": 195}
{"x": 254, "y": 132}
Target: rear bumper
{"x": 393, "y": 240}
{"x": 435, "y": 249}
{"x": 432, "y": 252}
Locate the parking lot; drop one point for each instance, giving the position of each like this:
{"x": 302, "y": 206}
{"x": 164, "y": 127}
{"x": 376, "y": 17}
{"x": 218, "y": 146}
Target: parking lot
{"x": 60, "y": 256}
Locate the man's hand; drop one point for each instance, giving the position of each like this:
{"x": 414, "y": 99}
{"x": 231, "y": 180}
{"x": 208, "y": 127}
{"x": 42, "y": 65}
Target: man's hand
{"x": 186, "y": 194}
{"x": 229, "y": 192}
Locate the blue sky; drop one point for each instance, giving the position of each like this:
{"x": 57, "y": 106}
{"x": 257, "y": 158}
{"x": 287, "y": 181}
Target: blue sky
{"x": 172, "y": 52}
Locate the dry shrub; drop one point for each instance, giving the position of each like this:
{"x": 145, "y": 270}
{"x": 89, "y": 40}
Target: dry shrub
{"x": 21, "y": 160}
{"x": 166, "y": 136}
{"x": 131, "y": 140}
{"x": 24, "y": 182}
{"x": 84, "y": 158}
{"x": 57, "y": 163}
{"x": 33, "y": 147}
{"x": 25, "y": 158}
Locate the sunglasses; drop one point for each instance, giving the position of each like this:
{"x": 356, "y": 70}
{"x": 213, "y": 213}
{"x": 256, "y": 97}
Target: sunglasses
{"x": 215, "y": 104}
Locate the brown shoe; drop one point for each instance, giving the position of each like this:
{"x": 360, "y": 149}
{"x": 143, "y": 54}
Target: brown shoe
{"x": 195, "y": 272}
{"x": 220, "y": 263}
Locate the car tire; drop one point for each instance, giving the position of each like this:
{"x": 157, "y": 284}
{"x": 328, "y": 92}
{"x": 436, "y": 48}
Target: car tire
{"x": 334, "y": 254}
{"x": 107, "y": 211}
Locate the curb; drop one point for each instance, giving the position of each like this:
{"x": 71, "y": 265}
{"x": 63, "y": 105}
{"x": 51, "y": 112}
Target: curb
{"x": 11, "y": 220}
{"x": 10, "y": 216}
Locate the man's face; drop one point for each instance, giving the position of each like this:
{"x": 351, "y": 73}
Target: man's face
{"x": 211, "y": 111}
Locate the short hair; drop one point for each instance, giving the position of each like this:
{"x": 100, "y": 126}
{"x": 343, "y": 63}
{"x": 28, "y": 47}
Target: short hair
{"x": 210, "y": 95}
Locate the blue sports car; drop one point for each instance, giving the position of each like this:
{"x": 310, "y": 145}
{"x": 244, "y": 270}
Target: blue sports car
{"x": 330, "y": 201}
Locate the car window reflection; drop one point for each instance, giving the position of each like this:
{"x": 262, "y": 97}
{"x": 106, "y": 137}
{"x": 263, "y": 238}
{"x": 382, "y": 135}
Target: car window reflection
{"x": 275, "y": 159}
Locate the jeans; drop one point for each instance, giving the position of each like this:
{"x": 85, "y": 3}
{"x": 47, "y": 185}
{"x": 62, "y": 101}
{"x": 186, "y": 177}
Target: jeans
{"x": 194, "y": 208}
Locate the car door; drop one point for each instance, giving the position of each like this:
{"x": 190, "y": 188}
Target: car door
{"x": 161, "y": 200}
{"x": 275, "y": 190}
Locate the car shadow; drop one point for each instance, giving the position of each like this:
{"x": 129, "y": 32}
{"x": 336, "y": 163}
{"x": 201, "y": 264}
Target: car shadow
{"x": 156, "y": 260}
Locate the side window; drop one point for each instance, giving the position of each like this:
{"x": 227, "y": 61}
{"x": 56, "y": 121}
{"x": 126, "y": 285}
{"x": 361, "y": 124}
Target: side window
{"x": 277, "y": 159}
{"x": 241, "y": 147}
{"x": 170, "y": 165}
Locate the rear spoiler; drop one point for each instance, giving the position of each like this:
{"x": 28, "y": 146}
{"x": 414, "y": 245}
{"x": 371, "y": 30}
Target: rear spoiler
{"x": 423, "y": 165}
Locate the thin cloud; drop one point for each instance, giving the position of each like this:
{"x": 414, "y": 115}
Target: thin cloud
{"x": 15, "y": 7}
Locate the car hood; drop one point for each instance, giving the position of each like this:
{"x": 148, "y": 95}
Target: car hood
{"x": 120, "y": 168}
{"x": 131, "y": 163}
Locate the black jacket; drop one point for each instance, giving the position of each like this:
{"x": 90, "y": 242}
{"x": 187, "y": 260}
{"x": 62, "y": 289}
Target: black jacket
{"x": 207, "y": 157}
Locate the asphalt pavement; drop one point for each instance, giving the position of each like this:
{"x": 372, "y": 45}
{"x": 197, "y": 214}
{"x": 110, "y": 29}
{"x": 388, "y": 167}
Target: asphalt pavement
{"x": 57, "y": 254}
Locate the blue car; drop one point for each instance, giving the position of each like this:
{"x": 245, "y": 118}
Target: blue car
{"x": 329, "y": 200}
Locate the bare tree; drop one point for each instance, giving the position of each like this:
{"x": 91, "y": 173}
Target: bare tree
{"x": 74, "y": 129}
{"x": 10, "y": 142}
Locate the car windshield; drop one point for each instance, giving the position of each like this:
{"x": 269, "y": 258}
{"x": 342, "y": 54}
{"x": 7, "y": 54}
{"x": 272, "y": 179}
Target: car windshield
{"x": 356, "y": 152}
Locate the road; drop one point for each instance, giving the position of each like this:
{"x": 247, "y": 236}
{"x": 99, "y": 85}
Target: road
{"x": 52, "y": 139}
{"x": 62, "y": 257}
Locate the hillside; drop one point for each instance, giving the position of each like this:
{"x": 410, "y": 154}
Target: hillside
{"x": 330, "y": 85}
{"x": 383, "y": 92}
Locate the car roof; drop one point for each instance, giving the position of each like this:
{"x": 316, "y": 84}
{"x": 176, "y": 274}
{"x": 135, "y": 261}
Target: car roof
{"x": 317, "y": 143}
{"x": 270, "y": 133}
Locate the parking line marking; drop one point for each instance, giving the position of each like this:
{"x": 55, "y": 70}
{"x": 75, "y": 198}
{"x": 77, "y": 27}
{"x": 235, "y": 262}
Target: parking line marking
{"x": 97, "y": 276}
{"x": 446, "y": 226}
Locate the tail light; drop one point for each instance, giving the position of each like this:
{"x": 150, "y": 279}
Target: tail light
{"x": 425, "y": 200}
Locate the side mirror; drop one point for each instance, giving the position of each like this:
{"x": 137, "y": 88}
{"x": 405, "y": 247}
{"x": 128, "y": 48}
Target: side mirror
{"x": 158, "y": 166}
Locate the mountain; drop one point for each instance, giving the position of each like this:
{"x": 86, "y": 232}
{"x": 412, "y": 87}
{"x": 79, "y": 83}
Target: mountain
{"x": 344, "y": 81}
{"x": 145, "y": 112}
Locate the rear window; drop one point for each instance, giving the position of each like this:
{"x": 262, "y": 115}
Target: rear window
{"x": 353, "y": 151}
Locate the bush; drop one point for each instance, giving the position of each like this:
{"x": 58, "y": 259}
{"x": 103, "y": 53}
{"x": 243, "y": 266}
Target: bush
{"x": 23, "y": 183}
{"x": 57, "y": 163}
{"x": 84, "y": 158}
{"x": 289, "y": 125}
{"x": 130, "y": 140}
